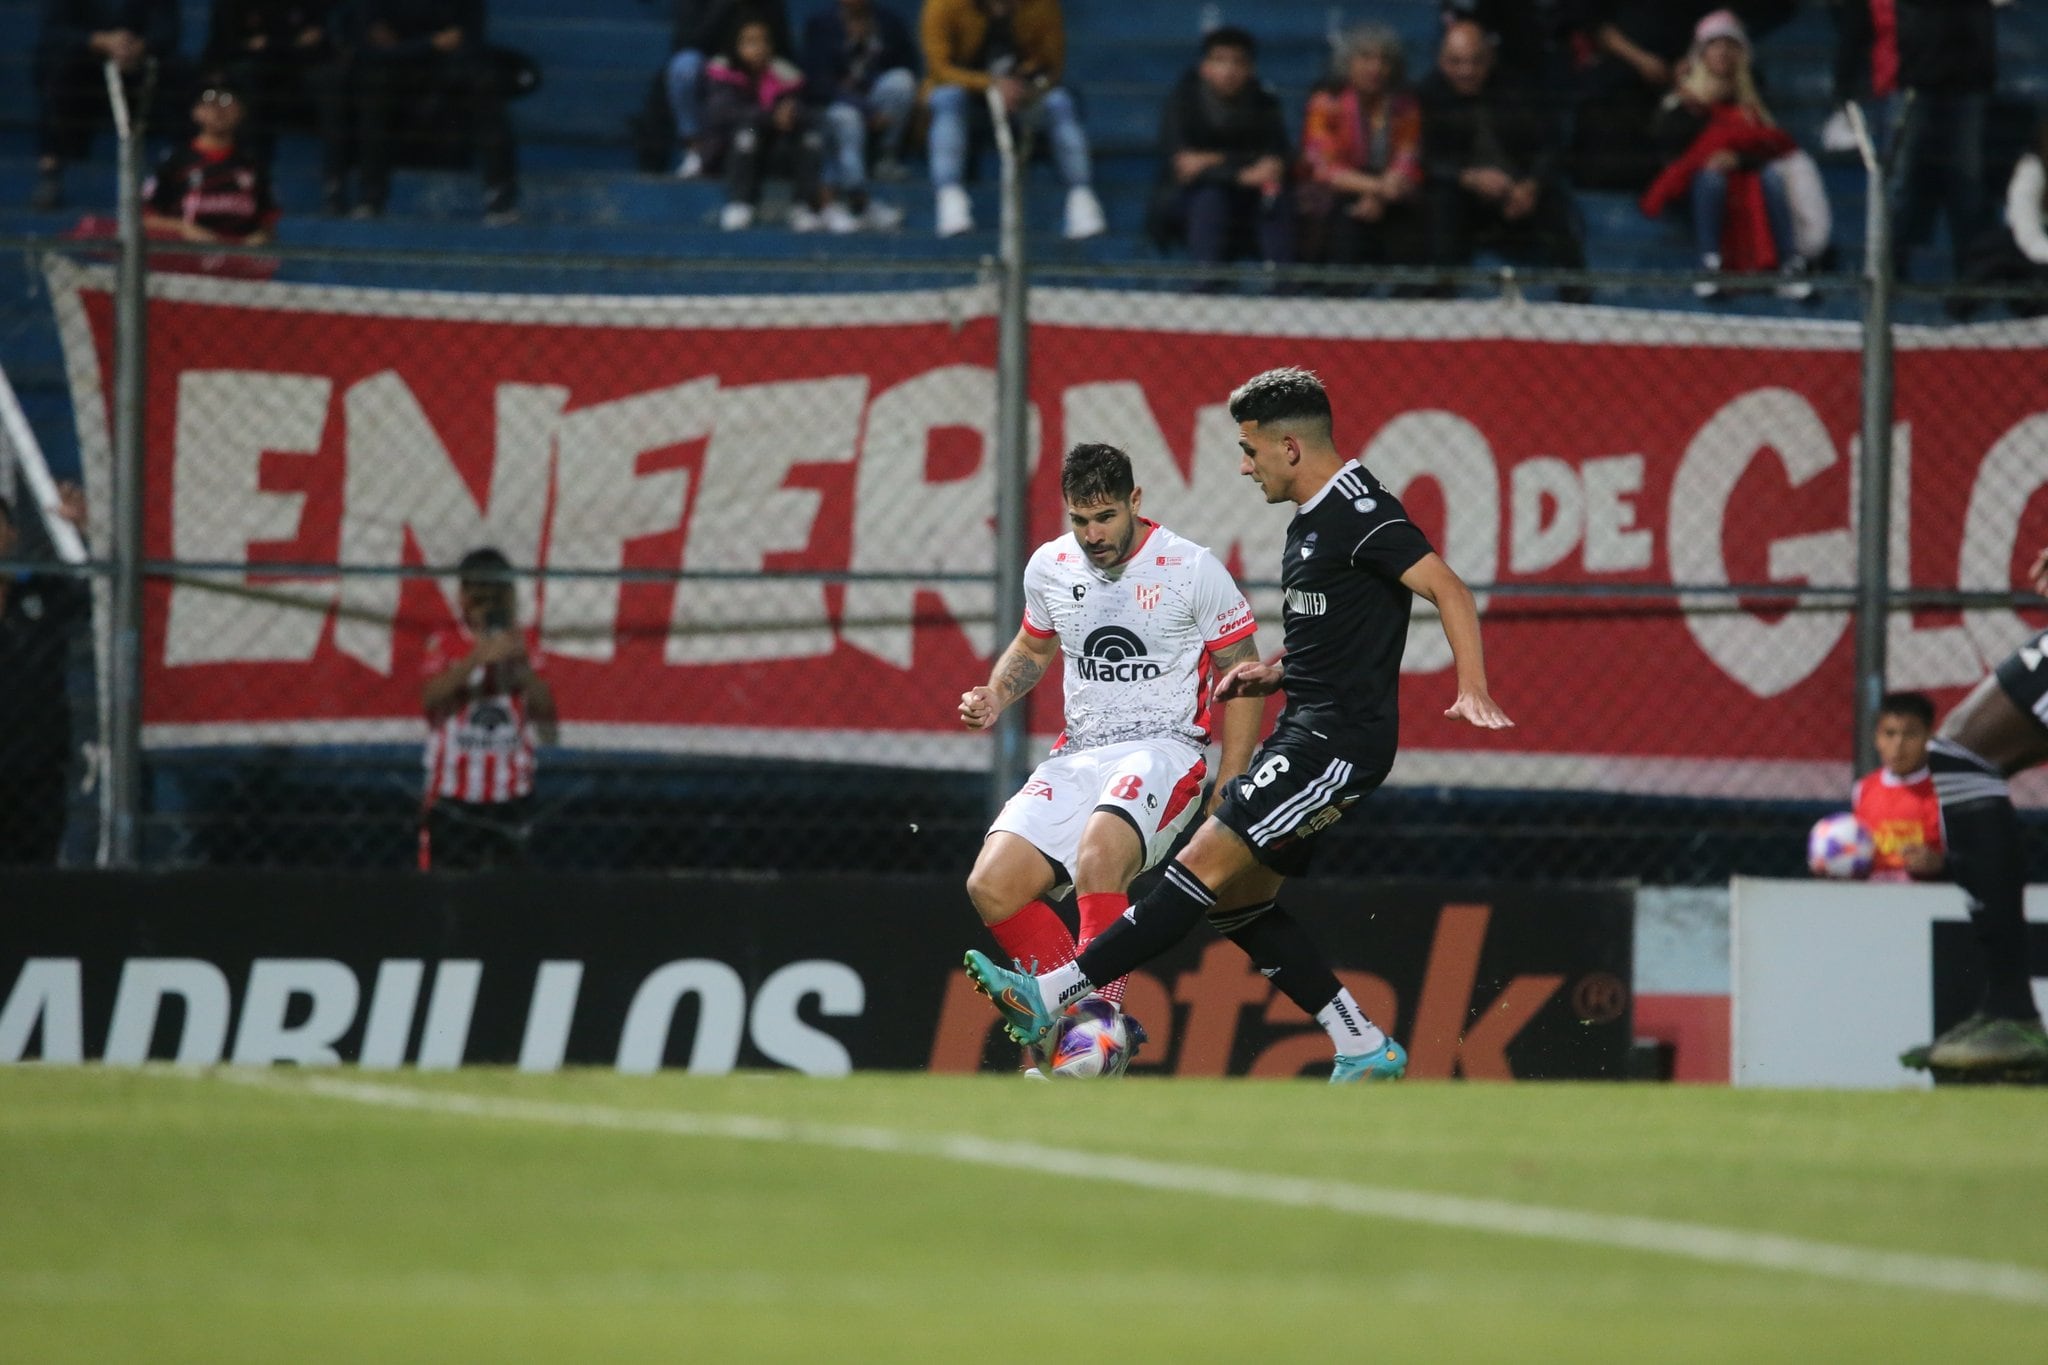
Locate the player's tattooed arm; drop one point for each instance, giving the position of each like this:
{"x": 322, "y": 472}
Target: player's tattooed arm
{"x": 1015, "y": 673}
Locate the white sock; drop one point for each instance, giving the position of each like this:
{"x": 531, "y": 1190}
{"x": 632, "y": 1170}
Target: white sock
{"x": 1347, "y": 1025}
{"x": 1062, "y": 985}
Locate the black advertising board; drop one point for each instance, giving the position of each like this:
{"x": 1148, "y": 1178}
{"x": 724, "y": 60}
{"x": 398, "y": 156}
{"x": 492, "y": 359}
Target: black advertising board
{"x": 823, "y": 974}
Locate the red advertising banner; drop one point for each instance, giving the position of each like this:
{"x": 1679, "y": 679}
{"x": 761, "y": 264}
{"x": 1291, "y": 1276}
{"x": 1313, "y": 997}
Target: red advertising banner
{"x": 850, "y": 436}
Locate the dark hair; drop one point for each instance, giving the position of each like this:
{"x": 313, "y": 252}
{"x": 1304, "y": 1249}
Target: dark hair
{"x": 1916, "y": 705}
{"x": 1094, "y": 473}
{"x": 1230, "y": 35}
{"x": 1284, "y": 395}
{"x": 485, "y": 565}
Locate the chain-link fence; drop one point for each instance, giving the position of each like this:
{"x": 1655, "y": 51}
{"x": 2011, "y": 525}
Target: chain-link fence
{"x": 747, "y": 509}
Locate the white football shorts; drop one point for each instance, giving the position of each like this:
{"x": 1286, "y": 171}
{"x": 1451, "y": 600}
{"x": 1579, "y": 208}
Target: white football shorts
{"x": 1155, "y": 783}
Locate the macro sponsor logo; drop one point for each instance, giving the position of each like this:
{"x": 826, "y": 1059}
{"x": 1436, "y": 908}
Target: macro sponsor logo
{"x": 1114, "y": 654}
{"x": 312, "y": 1011}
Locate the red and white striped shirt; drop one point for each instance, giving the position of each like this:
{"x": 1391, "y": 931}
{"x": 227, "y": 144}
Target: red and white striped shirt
{"x": 480, "y": 749}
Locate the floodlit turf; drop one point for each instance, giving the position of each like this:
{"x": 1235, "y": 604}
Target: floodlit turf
{"x": 161, "y": 1216}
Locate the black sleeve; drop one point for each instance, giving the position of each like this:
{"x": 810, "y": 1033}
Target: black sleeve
{"x": 1274, "y": 132}
{"x": 1389, "y": 545}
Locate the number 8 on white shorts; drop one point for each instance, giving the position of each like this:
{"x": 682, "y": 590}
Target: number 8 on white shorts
{"x": 1156, "y": 784}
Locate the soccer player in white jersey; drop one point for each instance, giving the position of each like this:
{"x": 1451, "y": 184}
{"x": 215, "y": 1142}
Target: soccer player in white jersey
{"x": 1145, "y": 620}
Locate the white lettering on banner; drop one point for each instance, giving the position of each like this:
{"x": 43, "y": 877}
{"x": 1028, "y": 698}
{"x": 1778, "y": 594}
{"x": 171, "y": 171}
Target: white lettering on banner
{"x": 743, "y": 514}
{"x": 1915, "y": 656}
{"x": 393, "y": 1001}
{"x": 138, "y": 1002}
{"x": 263, "y": 1037}
{"x": 904, "y": 522}
{"x": 1444, "y": 447}
{"x": 1533, "y": 545}
{"x": 2013, "y": 472}
{"x": 604, "y": 500}
{"x": 1209, "y": 503}
{"x": 1766, "y": 657}
{"x": 781, "y": 1033}
{"x": 548, "y": 1016}
{"x": 721, "y": 1004}
{"x": 445, "y": 1038}
{"x": 227, "y": 421}
{"x": 1614, "y": 544}
{"x": 400, "y": 479}
{"x": 47, "y": 992}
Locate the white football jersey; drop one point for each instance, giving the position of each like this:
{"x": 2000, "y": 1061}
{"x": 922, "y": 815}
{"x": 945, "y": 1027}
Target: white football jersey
{"x": 1137, "y": 637}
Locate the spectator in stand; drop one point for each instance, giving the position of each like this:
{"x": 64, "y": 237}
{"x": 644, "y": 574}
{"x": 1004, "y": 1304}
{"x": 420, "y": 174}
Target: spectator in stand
{"x": 39, "y": 612}
{"x": 274, "y": 54}
{"x": 485, "y": 704}
{"x": 860, "y": 68}
{"x": 1490, "y": 162}
{"x": 1897, "y": 803}
{"x": 1731, "y": 156}
{"x": 2017, "y": 252}
{"x": 1361, "y": 159}
{"x": 1636, "y": 45}
{"x": 1019, "y": 49}
{"x": 755, "y": 123}
{"x": 1532, "y": 39}
{"x": 210, "y": 190}
{"x": 1948, "y": 59}
{"x": 1864, "y": 67}
{"x": 77, "y": 39}
{"x": 403, "y": 52}
{"x": 1224, "y": 151}
{"x": 704, "y": 29}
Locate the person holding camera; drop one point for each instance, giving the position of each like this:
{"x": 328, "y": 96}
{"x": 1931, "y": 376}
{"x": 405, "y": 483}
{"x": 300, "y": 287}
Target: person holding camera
{"x": 486, "y": 705}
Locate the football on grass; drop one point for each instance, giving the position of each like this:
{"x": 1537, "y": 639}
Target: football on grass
{"x": 1839, "y": 846}
{"x": 1089, "y": 1040}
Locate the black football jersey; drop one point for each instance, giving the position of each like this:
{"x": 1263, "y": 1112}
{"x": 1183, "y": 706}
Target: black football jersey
{"x": 1346, "y": 614}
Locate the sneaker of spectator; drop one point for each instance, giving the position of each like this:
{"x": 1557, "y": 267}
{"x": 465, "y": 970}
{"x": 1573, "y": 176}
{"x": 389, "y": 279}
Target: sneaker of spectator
{"x": 1224, "y": 159}
{"x": 881, "y": 217}
{"x": 860, "y": 76}
{"x": 955, "y": 211}
{"x": 736, "y": 217}
{"x": 1018, "y": 49}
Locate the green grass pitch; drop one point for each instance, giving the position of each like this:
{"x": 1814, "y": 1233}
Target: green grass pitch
{"x": 167, "y": 1216}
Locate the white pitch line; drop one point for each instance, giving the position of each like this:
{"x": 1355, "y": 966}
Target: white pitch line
{"x": 1999, "y": 1280}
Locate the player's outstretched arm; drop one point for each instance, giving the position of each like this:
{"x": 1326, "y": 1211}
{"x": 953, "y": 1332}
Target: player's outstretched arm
{"x": 1429, "y": 577}
{"x": 1243, "y": 714}
{"x": 1016, "y": 672}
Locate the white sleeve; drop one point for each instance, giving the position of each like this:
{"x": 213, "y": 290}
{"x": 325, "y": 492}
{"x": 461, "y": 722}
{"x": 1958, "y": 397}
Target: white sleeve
{"x": 1221, "y": 611}
{"x": 1037, "y": 619}
{"x": 2023, "y": 208}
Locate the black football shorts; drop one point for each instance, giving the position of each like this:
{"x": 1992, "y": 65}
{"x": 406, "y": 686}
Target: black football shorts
{"x": 1296, "y": 787}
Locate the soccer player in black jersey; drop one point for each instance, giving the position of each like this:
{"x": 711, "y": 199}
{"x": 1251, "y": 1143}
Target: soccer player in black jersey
{"x": 1352, "y": 567}
{"x": 2000, "y": 729}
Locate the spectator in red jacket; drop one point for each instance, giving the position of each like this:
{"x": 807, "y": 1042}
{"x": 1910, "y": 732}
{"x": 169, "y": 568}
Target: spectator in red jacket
{"x": 1727, "y": 152}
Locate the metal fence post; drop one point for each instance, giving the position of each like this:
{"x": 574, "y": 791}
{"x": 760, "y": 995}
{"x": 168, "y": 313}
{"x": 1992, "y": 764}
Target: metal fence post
{"x": 1874, "y": 474}
{"x": 1012, "y": 458}
{"x": 121, "y": 844}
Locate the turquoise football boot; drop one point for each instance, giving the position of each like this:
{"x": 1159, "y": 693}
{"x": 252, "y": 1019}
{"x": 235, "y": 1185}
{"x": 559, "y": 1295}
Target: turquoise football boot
{"x": 1387, "y": 1062}
{"x": 1016, "y": 997}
